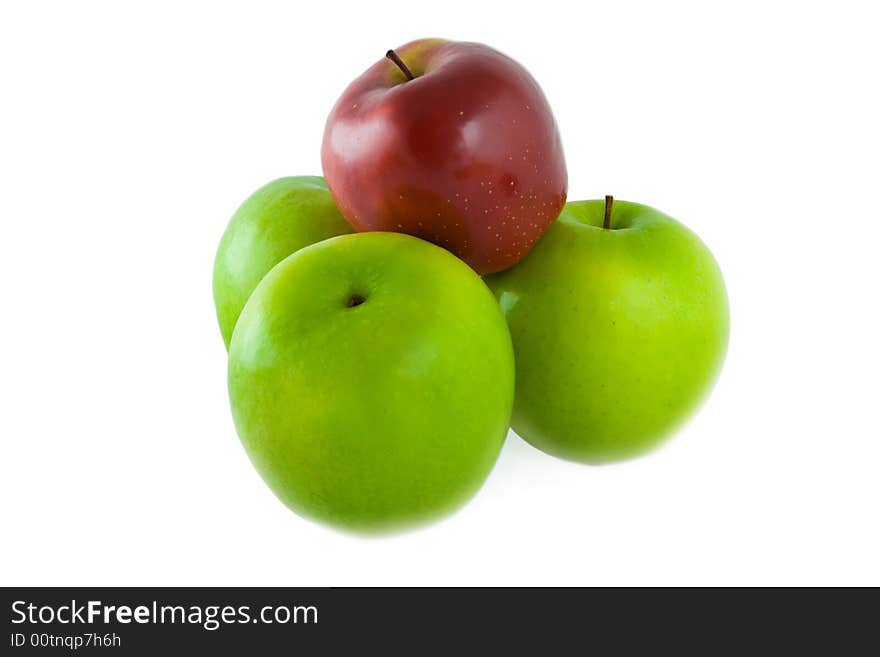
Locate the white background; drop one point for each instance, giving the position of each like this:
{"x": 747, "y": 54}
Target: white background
{"x": 130, "y": 132}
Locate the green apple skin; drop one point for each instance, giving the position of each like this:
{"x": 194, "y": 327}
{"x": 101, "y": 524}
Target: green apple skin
{"x": 276, "y": 220}
{"x": 371, "y": 381}
{"x": 619, "y": 333}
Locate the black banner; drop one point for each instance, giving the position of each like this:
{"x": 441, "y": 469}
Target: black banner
{"x": 134, "y": 621}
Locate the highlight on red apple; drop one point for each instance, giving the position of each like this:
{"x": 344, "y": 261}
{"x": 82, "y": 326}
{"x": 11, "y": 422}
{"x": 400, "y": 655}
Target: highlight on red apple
{"x": 452, "y": 142}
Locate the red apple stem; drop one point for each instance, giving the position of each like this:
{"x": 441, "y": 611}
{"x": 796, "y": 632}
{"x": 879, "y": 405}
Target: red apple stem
{"x": 403, "y": 67}
{"x": 609, "y": 201}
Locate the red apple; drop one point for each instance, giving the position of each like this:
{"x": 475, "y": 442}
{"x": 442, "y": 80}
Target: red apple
{"x": 452, "y": 142}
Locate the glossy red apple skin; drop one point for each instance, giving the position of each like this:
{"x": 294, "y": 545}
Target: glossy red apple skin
{"x": 466, "y": 155}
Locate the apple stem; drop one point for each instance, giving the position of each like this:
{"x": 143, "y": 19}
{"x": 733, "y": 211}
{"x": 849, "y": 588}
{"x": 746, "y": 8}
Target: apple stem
{"x": 403, "y": 67}
{"x": 609, "y": 201}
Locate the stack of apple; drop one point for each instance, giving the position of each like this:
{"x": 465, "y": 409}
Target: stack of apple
{"x": 373, "y": 374}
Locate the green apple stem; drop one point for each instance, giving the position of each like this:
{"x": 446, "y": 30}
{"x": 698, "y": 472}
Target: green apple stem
{"x": 609, "y": 201}
{"x": 403, "y": 67}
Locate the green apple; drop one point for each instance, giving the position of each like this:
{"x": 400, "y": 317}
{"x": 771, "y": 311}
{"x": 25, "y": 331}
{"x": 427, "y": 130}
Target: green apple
{"x": 619, "y": 331}
{"x": 371, "y": 380}
{"x": 277, "y": 219}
